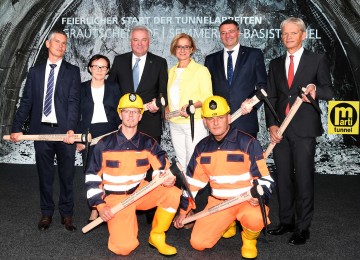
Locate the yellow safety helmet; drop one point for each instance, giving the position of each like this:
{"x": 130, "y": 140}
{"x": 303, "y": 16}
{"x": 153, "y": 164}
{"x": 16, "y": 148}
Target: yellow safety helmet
{"x": 215, "y": 106}
{"x": 131, "y": 100}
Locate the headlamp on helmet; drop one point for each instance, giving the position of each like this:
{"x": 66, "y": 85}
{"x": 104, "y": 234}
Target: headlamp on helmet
{"x": 131, "y": 100}
{"x": 215, "y": 106}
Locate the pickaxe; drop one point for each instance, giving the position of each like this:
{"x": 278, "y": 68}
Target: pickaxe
{"x": 158, "y": 102}
{"x": 81, "y": 138}
{"x": 254, "y": 192}
{"x": 182, "y": 182}
{"x": 158, "y": 180}
{"x": 87, "y": 142}
{"x": 294, "y": 108}
{"x": 190, "y": 110}
{"x": 260, "y": 95}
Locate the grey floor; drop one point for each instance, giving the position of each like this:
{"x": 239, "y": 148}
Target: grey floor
{"x": 334, "y": 232}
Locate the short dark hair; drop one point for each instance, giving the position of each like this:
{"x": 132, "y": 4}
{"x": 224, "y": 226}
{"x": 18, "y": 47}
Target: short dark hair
{"x": 98, "y": 57}
{"x": 230, "y": 21}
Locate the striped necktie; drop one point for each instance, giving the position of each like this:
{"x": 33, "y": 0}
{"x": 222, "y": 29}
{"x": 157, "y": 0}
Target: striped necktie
{"x": 49, "y": 91}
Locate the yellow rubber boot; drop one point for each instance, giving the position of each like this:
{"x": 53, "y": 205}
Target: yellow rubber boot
{"x": 249, "y": 240}
{"x": 161, "y": 223}
{"x": 230, "y": 231}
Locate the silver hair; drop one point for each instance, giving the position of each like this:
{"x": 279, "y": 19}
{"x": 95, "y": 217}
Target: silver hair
{"x": 140, "y": 28}
{"x": 51, "y": 34}
{"x": 298, "y": 21}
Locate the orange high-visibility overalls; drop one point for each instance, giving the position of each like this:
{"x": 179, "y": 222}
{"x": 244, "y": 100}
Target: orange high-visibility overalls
{"x": 230, "y": 167}
{"x": 117, "y": 169}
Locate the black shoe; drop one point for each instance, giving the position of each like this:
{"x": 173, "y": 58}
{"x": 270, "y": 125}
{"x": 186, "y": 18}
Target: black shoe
{"x": 281, "y": 229}
{"x": 299, "y": 237}
{"x": 67, "y": 222}
{"x": 44, "y": 222}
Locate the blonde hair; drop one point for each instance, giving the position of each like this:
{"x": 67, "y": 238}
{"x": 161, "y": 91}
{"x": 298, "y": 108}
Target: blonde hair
{"x": 177, "y": 38}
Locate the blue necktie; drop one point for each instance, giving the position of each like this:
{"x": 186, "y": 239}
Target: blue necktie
{"x": 136, "y": 74}
{"x": 230, "y": 70}
{"x": 49, "y": 91}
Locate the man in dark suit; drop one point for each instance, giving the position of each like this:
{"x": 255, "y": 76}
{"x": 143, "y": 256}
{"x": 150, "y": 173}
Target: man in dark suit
{"x": 235, "y": 72}
{"x": 145, "y": 74}
{"x": 295, "y": 150}
{"x": 51, "y": 99}
{"x": 152, "y": 78}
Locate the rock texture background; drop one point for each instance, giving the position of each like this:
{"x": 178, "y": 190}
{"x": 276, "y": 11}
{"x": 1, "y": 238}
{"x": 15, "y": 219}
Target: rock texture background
{"x": 24, "y": 28}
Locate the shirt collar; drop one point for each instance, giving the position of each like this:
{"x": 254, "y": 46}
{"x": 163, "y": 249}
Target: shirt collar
{"x": 230, "y": 135}
{"x": 58, "y": 63}
{"x": 235, "y": 49}
{"x": 134, "y": 57}
{"x": 135, "y": 140}
{"x": 296, "y": 54}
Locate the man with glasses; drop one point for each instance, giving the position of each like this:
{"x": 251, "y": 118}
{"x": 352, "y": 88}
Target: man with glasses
{"x": 145, "y": 74}
{"x": 118, "y": 168}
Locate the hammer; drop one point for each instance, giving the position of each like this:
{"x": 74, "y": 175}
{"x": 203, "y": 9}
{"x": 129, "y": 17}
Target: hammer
{"x": 260, "y": 95}
{"x": 294, "y": 108}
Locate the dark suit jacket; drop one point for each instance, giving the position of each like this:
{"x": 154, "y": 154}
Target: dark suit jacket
{"x": 110, "y": 101}
{"x": 153, "y": 82}
{"x": 249, "y": 72}
{"x": 66, "y": 98}
{"x": 313, "y": 68}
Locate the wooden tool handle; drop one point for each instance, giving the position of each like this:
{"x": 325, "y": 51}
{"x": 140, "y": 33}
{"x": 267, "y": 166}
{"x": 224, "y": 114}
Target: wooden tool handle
{"x": 223, "y": 205}
{"x": 157, "y": 181}
{"x": 294, "y": 108}
{"x": 252, "y": 102}
{"x": 49, "y": 137}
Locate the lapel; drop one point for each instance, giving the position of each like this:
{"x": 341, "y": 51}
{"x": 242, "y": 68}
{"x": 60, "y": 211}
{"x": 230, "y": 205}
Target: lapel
{"x": 107, "y": 94}
{"x": 282, "y": 72}
{"x": 88, "y": 93}
{"x": 220, "y": 64}
{"x": 60, "y": 76}
{"x": 128, "y": 66}
{"x": 239, "y": 62}
{"x": 299, "y": 71}
{"x": 42, "y": 69}
{"x": 147, "y": 70}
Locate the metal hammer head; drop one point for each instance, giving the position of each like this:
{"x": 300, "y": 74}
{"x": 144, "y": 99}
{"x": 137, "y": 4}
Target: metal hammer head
{"x": 309, "y": 97}
{"x": 178, "y": 172}
{"x": 262, "y": 95}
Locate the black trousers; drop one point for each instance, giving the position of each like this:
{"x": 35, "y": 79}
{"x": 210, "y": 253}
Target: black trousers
{"x": 294, "y": 176}
{"x": 45, "y": 153}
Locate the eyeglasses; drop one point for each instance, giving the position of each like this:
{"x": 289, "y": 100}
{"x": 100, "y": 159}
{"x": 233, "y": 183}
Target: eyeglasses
{"x": 186, "y": 47}
{"x": 97, "y": 67}
{"x": 228, "y": 32}
{"x": 130, "y": 112}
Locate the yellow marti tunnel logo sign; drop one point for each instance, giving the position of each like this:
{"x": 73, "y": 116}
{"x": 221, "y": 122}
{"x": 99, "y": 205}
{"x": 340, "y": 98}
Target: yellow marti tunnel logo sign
{"x": 343, "y": 117}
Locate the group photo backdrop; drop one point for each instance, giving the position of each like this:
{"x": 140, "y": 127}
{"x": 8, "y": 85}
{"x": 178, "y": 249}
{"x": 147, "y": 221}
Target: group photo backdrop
{"x": 103, "y": 27}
